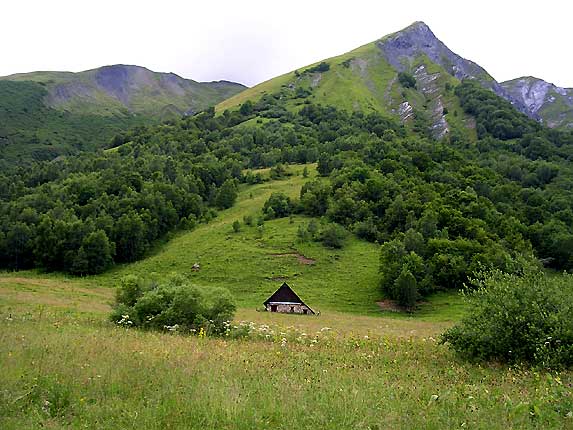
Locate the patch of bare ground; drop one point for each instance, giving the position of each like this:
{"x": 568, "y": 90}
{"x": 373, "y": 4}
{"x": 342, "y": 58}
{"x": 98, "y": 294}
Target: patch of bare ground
{"x": 390, "y": 305}
{"x": 301, "y": 258}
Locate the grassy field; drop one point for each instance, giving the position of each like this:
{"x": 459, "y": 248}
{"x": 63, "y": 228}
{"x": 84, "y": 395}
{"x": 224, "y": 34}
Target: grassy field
{"x": 64, "y": 366}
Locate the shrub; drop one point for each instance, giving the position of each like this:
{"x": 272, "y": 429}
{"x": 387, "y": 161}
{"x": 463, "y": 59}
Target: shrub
{"x": 173, "y": 306}
{"x": 333, "y": 236}
{"x": 248, "y": 220}
{"x": 236, "y": 226}
{"x": 322, "y": 67}
{"x": 279, "y": 172}
{"x": 514, "y": 318}
{"x": 407, "y": 80}
{"x": 277, "y": 206}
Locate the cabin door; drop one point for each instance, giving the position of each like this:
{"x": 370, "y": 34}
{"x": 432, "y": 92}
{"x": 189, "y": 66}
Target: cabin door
{"x": 273, "y": 308}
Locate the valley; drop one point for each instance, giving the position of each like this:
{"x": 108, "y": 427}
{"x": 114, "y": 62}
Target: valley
{"x": 420, "y": 208}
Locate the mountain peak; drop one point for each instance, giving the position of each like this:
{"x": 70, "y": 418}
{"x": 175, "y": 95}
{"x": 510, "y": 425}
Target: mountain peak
{"x": 418, "y": 25}
{"x": 403, "y": 48}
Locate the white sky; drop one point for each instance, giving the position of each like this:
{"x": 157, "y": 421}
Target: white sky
{"x": 250, "y": 41}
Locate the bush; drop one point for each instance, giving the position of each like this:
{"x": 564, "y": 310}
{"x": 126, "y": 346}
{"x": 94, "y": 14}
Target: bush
{"x": 277, "y": 206}
{"x": 333, "y": 236}
{"x": 407, "y": 80}
{"x": 322, "y": 67}
{"x": 517, "y": 319}
{"x": 279, "y": 172}
{"x": 174, "y": 306}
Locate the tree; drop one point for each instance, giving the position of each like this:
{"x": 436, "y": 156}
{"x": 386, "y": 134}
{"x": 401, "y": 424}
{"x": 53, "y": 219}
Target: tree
{"x": 405, "y": 286}
{"x": 130, "y": 237}
{"x": 236, "y": 226}
{"x": 277, "y": 206}
{"x": 315, "y": 197}
{"x": 95, "y": 255}
{"x": 226, "y": 195}
{"x": 246, "y": 108}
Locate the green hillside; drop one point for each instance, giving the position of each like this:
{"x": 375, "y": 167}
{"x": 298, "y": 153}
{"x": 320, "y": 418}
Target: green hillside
{"x": 364, "y": 80}
{"x": 252, "y": 264}
{"x": 32, "y": 131}
{"x": 47, "y": 114}
{"x": 123, "y": 89}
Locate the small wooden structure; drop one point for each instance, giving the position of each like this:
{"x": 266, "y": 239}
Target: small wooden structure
{"x": 285, "y": 300}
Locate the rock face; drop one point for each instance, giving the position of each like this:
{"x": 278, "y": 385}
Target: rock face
{"x": 552, "y": 104}
{"x": 110, "y": 90}
{"x": 402, "y": 48}
{"x": 428, "y": 85}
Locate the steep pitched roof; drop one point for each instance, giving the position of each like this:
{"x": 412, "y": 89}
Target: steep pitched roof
{"x": 284, "y": 294}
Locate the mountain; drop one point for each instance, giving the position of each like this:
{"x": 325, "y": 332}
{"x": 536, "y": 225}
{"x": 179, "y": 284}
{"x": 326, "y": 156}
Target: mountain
{"x": 124, "y": 89}
{"x": 375, "y": 77}
{"x": 47, "y": 114}
{"x": 552, "y": 104}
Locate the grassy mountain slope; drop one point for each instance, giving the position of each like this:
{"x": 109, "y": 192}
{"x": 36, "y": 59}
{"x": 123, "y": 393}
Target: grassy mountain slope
{"x": 30, "y": 130}
{"x": 366, "y": 79}
{"x": 126, "y": 89}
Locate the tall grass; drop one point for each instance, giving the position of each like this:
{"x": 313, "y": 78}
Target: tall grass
{"x": 70, "y": 370}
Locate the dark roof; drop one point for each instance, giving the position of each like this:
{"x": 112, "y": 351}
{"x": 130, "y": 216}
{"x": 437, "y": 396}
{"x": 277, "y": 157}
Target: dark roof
{"x": 284, "y": 294}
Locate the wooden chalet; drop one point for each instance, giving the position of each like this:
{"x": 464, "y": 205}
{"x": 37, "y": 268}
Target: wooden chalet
{"x": 285, "y": 300}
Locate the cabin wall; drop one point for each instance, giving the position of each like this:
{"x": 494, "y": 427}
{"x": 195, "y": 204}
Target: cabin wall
{"x": 289, "y": 309}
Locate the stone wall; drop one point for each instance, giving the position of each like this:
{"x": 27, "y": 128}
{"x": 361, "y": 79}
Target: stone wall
{"x": 289, "y": 309}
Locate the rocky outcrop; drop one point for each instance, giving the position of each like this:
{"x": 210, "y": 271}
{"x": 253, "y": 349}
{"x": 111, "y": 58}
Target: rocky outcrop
{"x": 552, "y": 104}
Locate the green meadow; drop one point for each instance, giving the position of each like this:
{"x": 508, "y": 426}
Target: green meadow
{"x": 354, "y": 366}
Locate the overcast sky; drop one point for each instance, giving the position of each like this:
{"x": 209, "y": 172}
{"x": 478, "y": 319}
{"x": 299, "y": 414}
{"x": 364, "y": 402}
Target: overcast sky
{"x": 252, "y": 41}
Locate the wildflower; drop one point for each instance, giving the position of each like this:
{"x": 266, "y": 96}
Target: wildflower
{"x": 171, "y": 328}
{"x": 125, "y": 320}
